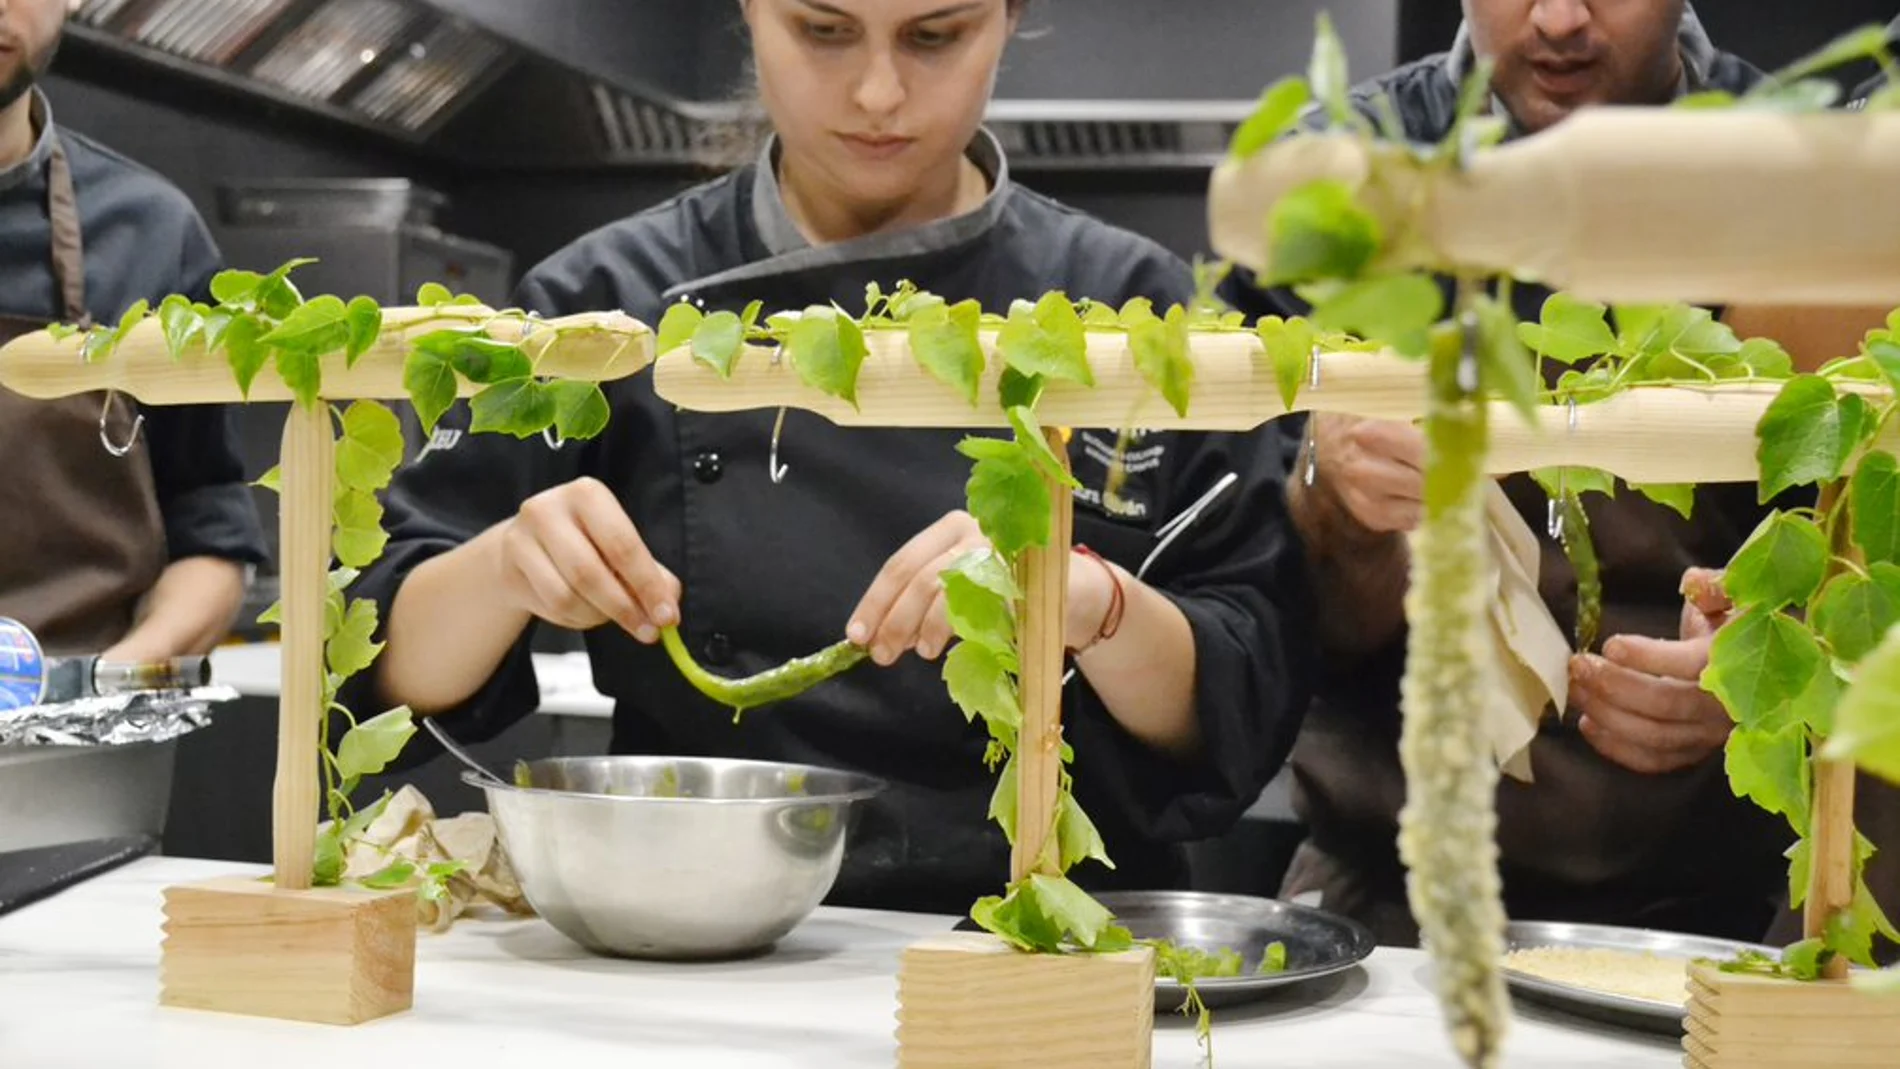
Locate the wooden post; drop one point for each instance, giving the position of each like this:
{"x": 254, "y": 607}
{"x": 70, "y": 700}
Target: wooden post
{"x": 305, "y": 517}
{"x": 1831, "y": 877}
{"x": 1045, "y": 584}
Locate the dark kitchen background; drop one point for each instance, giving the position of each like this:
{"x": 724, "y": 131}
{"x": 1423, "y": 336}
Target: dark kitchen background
{"x": 463, "y": 140}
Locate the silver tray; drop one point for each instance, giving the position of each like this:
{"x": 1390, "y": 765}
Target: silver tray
{"x": 1318, "y": 943}
{"x": 1649, "y": 1015}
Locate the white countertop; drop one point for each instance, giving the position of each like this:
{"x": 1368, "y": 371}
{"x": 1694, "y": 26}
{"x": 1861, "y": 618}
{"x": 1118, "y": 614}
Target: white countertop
{"x": 567, "y": 680}
{"x": 79, "y": 988}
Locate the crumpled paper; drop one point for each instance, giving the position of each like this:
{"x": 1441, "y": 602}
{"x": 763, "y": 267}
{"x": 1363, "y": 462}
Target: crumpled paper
{"x": 408, "y": 829}
{"x": 1533, "y": 654}
{"x": 113, "y": 719}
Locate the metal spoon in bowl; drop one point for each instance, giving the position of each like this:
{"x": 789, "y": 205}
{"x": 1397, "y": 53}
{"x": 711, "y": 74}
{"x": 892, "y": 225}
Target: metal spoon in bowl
{"x": 458, "y": 752}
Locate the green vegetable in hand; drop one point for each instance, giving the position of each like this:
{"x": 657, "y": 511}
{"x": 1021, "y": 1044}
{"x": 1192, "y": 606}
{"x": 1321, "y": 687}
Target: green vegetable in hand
{"x": 788, "y": 680}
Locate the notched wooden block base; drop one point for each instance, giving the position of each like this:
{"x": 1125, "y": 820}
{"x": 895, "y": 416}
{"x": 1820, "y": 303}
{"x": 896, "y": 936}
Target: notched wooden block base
{"x": 966, "y": 1000}
{"x": 1759, "y": 1022}
{"x": 329, "y": 955}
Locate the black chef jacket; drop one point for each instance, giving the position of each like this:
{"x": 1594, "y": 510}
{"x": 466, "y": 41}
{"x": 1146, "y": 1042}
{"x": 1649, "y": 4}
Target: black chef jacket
{"x": 772, "y": 571}
{"x": 1588, "y": 840}
{"x": 144, "y": 240}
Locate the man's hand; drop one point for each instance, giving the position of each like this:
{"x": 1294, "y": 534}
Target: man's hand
{"x": 1375, "y": 468}
{"x": 1642, "y": 702}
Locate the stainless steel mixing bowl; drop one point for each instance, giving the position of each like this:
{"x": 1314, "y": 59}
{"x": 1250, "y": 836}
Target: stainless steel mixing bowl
{"x": 674, "y": 858}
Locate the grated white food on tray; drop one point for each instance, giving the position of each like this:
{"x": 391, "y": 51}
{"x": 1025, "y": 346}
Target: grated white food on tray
{"x": 1628, "y": 973}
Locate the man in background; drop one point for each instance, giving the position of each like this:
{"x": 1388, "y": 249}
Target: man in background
{"x": 125, "y": 533}
{"x": 1629, "y": 819}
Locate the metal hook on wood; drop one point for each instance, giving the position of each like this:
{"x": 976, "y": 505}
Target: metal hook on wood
{"x": 105, "y": 436}
{"x": 776, "y": 469}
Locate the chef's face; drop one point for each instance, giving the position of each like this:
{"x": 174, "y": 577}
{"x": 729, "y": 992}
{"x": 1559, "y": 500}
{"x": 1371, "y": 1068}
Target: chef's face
{"x": 874, "y": 100}
{"x": 1555, "y": 56}
{"x": 29, "y": 32}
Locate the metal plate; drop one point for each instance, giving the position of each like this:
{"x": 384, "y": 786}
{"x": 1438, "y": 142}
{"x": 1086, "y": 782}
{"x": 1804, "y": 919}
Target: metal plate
{"x": 1665, "y": 1018}
{"x": 1317, "y": 943}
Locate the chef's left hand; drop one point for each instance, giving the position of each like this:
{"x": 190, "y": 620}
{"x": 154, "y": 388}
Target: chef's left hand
{"x": 1642, "y": 702}
{"x": 904, "y": 608}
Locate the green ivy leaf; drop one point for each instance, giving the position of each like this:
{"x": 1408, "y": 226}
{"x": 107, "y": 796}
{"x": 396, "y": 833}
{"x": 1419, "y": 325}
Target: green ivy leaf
{"x": 1048, "y": 339}
{"x": 351, "y": 649}
{"x": 371, "y": 446}
{"x": 580, "y": 408}
{"x": 1801, "y": 436}
{"x": 678, "y": 326}
{"x": 476, "y": 356}
{"x": 1080, "y": 841}
{"x": 1017, "y": 390}
{"x": 316, "y": 328}
{"x": 1867, "y": 42}
{"x": 1852, "y": 614}
{"x": 827, "y": 350}
{"x": 1771, "y": 769}
{"x": 978, "y": 614}
{"x": 1867, "y": 721}
{"x": 216, "y": 322}
{"x": 1800, "y": 870}
{"x": 391, "y": 876}
{"x": 1289, "y": 345}
{"x": 1009, "y": 499}
{"x": 945, "y": 341}
{"x": 1071, "y": 908}
{"x": 1782, "y": 563}
{"x": 1570, "y": 330}
{"x": 979, "y": 682}
{"x": 1035, "y": 444}
{"x": 1327, "y": 72}
{"x": 1278, "y": 110}
{"x": 302, "y": 372}
{"x": 181, "y": 321}
{"x": 1018, "y": 919}
{"x": 1885, "y": 355}
{"x": 1003, "y": 801}
{"x": 367, "y": 748}
{"x": 359, "y": 536}
{"x": 1508, "y": 367}
{"x": 1160, "y": 347}
{"x": 365, "y": 320}
{"x": 1318, "y": 231}
{"x": 327, "y": 867}
{"x": 1677, "y": 496}
{"x": 521, "y": 407}
{"x": 433, "y": 295}
{"x": 272, "y": 480}
{"x": 429, "y": 379}
{"x": 237, "y": 288}
{"x": 277, "y": 295}
{"x": 718, "y": 341}
{"x": 1558, "y": 481}
{"x": 1397, "y": 310}
{"x": 1874, "y": 506}
{"x": 1766, "y": 358}
{"x": 1760, "y": 666}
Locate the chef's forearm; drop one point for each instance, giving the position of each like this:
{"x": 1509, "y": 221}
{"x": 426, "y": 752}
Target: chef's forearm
{"x": 189, "y": 610}
{"x": 1145, "y": 673}
{"x": 1359, "y": 576}
{"x": 447, "y": 631}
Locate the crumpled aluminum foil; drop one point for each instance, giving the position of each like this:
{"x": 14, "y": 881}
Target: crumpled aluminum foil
{"x": 113, "y": 720}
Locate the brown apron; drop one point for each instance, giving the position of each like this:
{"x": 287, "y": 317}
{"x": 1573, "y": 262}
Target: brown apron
{"x": 1587, "y": 841}
{"x": 81, "y": 536}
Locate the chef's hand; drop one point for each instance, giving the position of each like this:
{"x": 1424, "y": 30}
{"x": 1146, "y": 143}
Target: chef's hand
{"x": 572, "y": 556}
{"x": 1642, "y": 704}
{"x": 1375, "y": 469}
{"x": 904, "y": 610}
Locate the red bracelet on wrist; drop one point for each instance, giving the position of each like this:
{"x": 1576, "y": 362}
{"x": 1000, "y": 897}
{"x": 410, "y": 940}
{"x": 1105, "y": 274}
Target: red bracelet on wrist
{"x": 1117, "y": 603}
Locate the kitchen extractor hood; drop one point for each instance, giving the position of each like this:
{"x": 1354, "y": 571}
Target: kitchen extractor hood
{"x": 456, "y": 90}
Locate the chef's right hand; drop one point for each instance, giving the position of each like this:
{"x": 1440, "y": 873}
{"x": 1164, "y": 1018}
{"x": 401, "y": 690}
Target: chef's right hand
{"x": 572, "y": 557}
{"x": 1374, "y": 469}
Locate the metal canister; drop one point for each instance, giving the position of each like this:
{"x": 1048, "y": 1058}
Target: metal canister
{"x": 22, "y": 666}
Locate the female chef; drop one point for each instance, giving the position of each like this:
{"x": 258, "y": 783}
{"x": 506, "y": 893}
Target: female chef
{"x": 878, "y": 170}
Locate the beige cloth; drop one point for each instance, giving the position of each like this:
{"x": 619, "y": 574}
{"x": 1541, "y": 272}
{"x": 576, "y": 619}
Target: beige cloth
{"x": 408, "y": 829}
{"x": 1532, "y": 652}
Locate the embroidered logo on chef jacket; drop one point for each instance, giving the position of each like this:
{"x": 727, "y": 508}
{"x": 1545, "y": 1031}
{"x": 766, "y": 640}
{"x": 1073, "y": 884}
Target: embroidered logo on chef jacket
{"x": 1121, "y": 490}
{"x": 443, "y": 440}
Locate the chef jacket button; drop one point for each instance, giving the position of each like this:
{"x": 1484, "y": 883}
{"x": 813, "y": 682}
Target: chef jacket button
{"x": 708, "y": 466}
{"x": 718, "y": 649}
